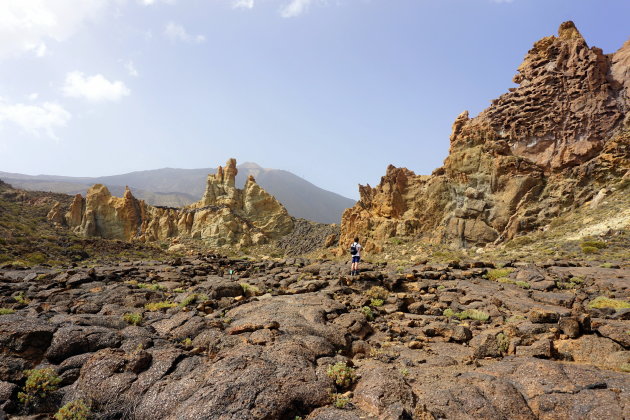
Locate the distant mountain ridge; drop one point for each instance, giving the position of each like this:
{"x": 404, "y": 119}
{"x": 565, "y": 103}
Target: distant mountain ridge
{"x": 174, "y": 187}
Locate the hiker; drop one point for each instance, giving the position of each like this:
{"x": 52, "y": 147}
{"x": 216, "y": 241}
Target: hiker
{"x": 355, "y": 251}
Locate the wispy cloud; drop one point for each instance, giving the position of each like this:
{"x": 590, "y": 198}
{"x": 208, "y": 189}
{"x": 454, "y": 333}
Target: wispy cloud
{"x": 131, "y": 69}
{"x": 501, "y": 1}
{"x": 152, "y": 2}
{"x": 295, "y": 8}
{"x": 27, "y": 26}
{"x": 243, "y": 4}
{"x": 93, "y": 88}
{"x": 176, "y": 32}
{"x": 36, "y": 120}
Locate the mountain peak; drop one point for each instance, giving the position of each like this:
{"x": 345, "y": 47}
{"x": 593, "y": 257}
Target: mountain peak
{"x": 250, "y": 165}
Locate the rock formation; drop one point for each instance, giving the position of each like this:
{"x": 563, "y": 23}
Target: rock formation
{"x": 225, "y": 215}
{"x": 550, "y": 143}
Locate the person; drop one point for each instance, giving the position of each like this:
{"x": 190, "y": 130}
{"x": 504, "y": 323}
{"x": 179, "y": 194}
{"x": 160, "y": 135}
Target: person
{"x": 355, "y": 251}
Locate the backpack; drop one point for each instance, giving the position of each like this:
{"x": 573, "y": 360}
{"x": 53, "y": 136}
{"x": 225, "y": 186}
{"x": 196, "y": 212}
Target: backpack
{"x": 353, "y": 249}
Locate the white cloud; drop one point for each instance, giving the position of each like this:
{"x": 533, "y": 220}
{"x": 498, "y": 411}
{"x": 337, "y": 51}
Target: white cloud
{"x": 176, "y": 32}
{"x": 33, "y": 96}
{"x": 243, "y": 4}
{"x": 502, "y": 1}
{"x": 152, "y": 2}
{"x": 35, "y": 119}
{"x": 26, "y": 26}
{"x": 295, "y": 8}
{"x": 93, "y": 88}
{"x": 131, "y": 69}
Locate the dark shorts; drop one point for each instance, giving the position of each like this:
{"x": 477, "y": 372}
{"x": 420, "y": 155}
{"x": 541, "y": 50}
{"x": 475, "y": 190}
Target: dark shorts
{"x": 356, "y": 258}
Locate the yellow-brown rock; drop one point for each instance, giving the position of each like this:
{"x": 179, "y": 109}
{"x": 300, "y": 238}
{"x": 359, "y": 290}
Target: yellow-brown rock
{"x": 549, "y": 144}
{"x": 225, "y": 215}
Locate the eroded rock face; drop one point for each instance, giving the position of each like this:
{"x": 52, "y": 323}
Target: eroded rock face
{"x": 225, "y": 214}
{"x": 553, "y": 141}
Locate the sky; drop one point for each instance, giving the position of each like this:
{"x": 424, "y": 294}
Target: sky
{"x": 331, "y": 90}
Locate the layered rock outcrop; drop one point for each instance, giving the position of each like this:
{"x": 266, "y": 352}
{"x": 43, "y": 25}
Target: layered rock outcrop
{"x": 550, "y": 143}
{"x": 226, "y": 215}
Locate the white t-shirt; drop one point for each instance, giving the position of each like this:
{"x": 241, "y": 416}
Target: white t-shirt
{"x": 358, "y": 247}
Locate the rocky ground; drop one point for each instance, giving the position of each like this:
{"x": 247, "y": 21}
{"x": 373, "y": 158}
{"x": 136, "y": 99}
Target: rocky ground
{"x": 210, "y": 337}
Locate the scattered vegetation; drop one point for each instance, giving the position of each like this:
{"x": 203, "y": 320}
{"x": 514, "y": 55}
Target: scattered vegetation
{"x": 571, "y": 284}
{"x": 40, "y": 383}
{"x": 602, "y": 302}
{"x": 625, "y": 367}
{"x": 74, "y": 410}
{"x": 151, "y": 286}
{"x": 250, "y": 290}
{"x": 6, "y": 311}
{"x": 156, "y": 306}
{"x": 22, "y": 299}
{"x": 376, "y": 302}
{"x": 342, "y": 375}
{"x": 367, "y": 311}
{"x": 339, "y": 400}
{"x": 132, "y": 318}
{"x": 503, "y": 342}
{"x": 193, "y": 298}
{"x": 187, "y": 342}
{"x": 377, "y": 292}
{"x": 591, "y": 247}
{"x": 498, "y": 273}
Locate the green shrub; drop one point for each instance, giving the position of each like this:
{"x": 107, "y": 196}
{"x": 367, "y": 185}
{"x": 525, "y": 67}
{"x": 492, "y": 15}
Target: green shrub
{"x": 625, "y": 367}
{"x": 152, "y": 286}
{"x": 601, "y": 302}
{"x": 250, "y": 290}
{"x": 449, "y": 313}
{"x": 367, "y": 311}
{"x": 187, "y": 342}
{"x": 589, "y": 249}
{"x": 593, "y": 244}
{"x": 133, "y": 318}
{"x": 39, "y": 384}
{"x": 6, "y": 311}
{"x": 503, "y": 342}
{"x": 377, "y": 292}
{"x": 376, "y": 302}
{"x": 339, "y": 401}
{"x": 156, "y": 306}
{"x": 498, "y": 273}
{"x": 342, "y": 375}
{"x": 476, "y": 315}
{"x": 194, "y": 298}
{"x": 36, "y": 258}
{"x": 74, "y": 410}
{"x": 22, "y": 299}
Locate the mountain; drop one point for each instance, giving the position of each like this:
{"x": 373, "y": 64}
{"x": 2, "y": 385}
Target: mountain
{"x": 542, "y": 150}
{"x": 173, "y": 187}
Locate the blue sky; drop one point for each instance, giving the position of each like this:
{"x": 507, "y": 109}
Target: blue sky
{"x": 331, "y": 90}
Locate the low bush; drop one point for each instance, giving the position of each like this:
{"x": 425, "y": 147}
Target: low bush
{"x": 74, "y": 410}
{"x": 342, "y": 375}
{"x": 377, "y": 292}
{"x": 156, "y": 306}
{"x": 40, "y": 383}
{"x": 133, "y": 318}
{"x": 601, "y": 302}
